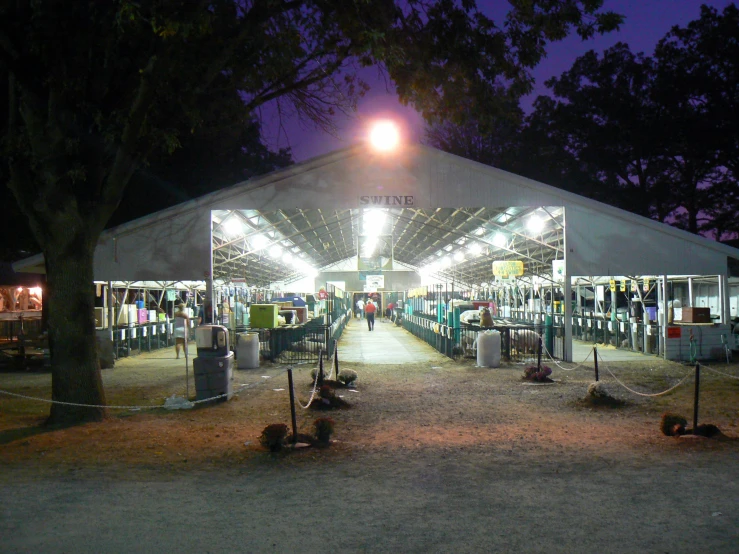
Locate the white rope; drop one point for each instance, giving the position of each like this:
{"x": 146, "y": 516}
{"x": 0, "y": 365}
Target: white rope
{"x": 147, "y": 407}
{"x": 720, "y": 372}
{"x": 581, "y": 364}
{"x": 319, "y": 371}
{"x": 641, "y": 393}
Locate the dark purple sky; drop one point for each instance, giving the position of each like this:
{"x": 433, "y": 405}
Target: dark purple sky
{"x": 647, "y": 21}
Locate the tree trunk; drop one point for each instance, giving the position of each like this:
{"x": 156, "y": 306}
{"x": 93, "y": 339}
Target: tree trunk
{"x": 75, "y": 369}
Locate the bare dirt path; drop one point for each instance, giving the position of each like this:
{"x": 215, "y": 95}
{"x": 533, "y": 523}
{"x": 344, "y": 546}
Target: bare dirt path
{"x": 429, "y": 458}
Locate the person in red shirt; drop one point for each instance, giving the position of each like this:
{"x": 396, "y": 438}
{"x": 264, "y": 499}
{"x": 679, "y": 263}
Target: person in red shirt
{"x": 370, "y": 310}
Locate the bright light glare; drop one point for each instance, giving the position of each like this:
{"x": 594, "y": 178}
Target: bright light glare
{"x": 373, "y": 221}
{"x": 276, "y": 251}
{"x": 36, "y": 291}
{"x": 475, "y": 249}
{"x": 500, "y": 240}
{"x": 446, "y": 262}
{"x": 384, "y": 136}
{"x": 535, "y": 224}
{"x": 287, "y": 257}
{"x": 233, "y": 226}
{"x": 459, "y": 257}
{"x": 258, "y": 241}
{"x": 368, "y": 248}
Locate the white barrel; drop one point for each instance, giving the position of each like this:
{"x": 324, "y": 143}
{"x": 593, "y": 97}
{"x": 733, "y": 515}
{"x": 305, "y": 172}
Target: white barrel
{"x": 488, "y": 349}
{"x": 247, "y": 350}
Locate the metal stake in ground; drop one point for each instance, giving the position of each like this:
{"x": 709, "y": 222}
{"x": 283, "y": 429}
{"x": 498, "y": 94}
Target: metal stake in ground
{"x": 292, "y": 404}
{"x": 538, "y": 356}
{"x": 336, "y": 360}
{"x": 595, "y": 358}
{"x": 320, "y": 368}
{"x": 697, "y": 394}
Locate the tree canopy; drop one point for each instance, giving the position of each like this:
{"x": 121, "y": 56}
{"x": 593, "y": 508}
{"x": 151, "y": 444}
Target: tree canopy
{"x": 97, "y": 89}
{"x": 657, "y": 135}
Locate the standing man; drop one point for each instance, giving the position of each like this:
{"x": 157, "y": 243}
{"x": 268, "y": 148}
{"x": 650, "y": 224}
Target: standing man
{"x": 360, "y": 308}
{"x": 181, "y": 328}
{"x": 370, "y": 310}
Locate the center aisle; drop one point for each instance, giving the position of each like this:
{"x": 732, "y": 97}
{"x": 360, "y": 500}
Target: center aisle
{"x": 387, "y": 344}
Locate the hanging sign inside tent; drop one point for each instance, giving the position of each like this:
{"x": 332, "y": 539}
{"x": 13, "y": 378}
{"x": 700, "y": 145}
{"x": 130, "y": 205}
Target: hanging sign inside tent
{"x": 558, "y": 270}
{"x": 623, "y": 285}
{"x": 612, "y": 283}
{"x": 634, "y": 285}
{"x": 376, "y": 281}
{"x": 645, "y": 287}
{"x": 502, "y": 268}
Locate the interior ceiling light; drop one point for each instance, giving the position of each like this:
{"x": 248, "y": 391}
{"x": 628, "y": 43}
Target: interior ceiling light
{"x": 373, "y": 221}
{"x": 384, "y": 136}
{"x": 535, "y": 224}
{"x": 448, "y": 247}
{"x": 446, "y": 262}
{"x": 475, "y": 249}
{"x": 459, "y": 257}
{"x": 500, "y": 240}
{"x": 480, "y": 231}
{"x": 275, "y": 251}
{"x": 287, "y": 257}
{"x": 258, "y": 241}
{"x": 233, "y": 226}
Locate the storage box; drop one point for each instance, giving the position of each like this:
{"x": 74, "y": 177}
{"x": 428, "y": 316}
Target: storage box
{"x": 696, "y": 315}
{"x": 101, "y": 318}
{"x": 143, "y": 316}
{"x": 152, "y": 315}
{"x": 264, "y": 316}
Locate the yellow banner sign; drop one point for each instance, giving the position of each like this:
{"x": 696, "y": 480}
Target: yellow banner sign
{"x": 612, "y": 282}
{"x": 622, "y": 288}
{"x": 418, "y": 292}
{"x": 503, "y": 268}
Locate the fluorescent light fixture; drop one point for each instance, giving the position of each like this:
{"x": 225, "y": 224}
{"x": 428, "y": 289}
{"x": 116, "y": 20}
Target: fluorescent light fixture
{"x": 459, "y": 256}
{"x": 500, "y": 240}
{"x": 384, "y": 136}
{"x": 480, "y": 231}
{"x": 535, "y": 224}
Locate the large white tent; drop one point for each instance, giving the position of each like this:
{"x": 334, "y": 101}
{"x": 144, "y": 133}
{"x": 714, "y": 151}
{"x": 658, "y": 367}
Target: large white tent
{"x": 435, "y": 201}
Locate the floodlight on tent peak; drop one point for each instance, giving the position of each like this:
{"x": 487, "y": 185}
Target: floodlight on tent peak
{"x": 384, "y": 136}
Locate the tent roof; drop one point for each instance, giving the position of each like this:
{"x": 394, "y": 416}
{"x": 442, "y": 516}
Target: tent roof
{"x": 315, "y": 211}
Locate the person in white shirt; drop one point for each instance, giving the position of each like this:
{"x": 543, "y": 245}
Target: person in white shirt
{"x": 181, "y": 327}
{"x": 360, "y": 308}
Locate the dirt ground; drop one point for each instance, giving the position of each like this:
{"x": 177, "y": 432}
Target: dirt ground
{"x": 442, "y": 457}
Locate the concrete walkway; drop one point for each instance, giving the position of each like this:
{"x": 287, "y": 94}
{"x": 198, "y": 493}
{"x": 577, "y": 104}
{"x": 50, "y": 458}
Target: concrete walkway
{"x": 580, "y": 349}
{"x": 387, "y": 344}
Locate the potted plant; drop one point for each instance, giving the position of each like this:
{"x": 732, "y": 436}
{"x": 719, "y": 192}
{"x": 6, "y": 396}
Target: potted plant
{"x": 273, "y": 436}
{"x": 324, "y": 426}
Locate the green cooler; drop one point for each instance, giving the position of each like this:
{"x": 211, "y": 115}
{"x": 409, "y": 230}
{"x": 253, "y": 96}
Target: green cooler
{"x": 263, "y": 316}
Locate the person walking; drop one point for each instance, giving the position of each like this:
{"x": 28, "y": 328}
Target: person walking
{"x": 370, "y": 310}
{"x": 181, "y": 327}
{"x": 360, "y": 308}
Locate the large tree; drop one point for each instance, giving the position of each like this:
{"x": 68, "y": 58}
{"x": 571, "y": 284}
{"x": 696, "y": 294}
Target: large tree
{"x": 95, "y": 86}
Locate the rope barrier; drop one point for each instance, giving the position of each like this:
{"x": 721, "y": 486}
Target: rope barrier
{"x": 581, "y": 364}
{"x": 719, "y": 372}
{"x": 642, "y": 393}
{"x": 147, "y": 407}
{"x": 313, "y": 392}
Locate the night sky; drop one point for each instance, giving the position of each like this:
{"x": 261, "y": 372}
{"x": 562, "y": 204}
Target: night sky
{"x": 647, "y": 21}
